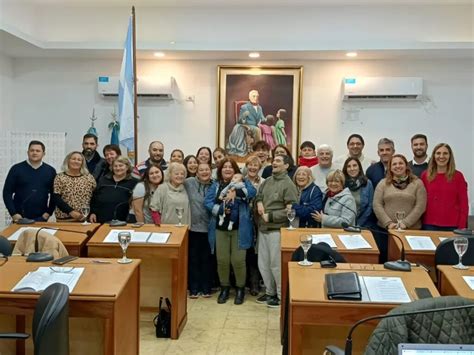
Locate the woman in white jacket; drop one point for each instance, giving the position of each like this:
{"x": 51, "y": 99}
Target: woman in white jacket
{"x": 339, "y": 204}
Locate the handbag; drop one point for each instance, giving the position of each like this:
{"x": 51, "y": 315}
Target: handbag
{"x": 162, "y": 320}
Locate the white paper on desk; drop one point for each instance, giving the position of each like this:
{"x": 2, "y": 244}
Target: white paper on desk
{"x": 420, "y": 243}
{"x": 158, "y": 238}
{"x": 16, "y": 235}
{"x": 112, "y": 237}
{"x": 140, "y": 237}
{"x": 470, "y": 281}
{"x": 326, "y": 238}
{"x": 40, "y": 279}
{"x": 385, "y": 289}
{"x": 442, "y": 238}
{"x": 354, "y": 241}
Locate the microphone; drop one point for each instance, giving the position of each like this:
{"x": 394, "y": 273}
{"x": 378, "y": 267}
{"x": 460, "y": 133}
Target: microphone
{"x": 348, "y": 347}
{"x": 24, "y": 220}
{"x": 463, "y": 231}
{"x": 350, "y": 209}
{"x": 40, "y": 256}
{"x": 399, "y": 265}
{"x": 115, "y": 222}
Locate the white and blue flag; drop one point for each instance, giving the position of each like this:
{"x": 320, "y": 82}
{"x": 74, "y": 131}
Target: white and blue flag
{"x": 126, "y": 94}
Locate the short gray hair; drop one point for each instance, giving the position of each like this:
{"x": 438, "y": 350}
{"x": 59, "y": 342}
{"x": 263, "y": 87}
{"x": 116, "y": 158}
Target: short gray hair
{"x": 177, "y": 166}
{"x": 386, "y": 141}
{"x": 326, "y": 147}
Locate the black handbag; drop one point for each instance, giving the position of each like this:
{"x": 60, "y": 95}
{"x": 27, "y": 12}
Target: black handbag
{"x": 162, "y": 320}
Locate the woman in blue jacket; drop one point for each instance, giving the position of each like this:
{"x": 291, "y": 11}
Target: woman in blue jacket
{"x": 311, "y": 198}
{"x": 361, "y": 189}
{"x": 231, "y": 241}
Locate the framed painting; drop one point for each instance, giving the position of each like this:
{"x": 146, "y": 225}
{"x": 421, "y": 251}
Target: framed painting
{"x": 258, "y": 103}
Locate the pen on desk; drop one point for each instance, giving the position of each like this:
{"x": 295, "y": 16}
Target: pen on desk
{"x": 96, "y": 261}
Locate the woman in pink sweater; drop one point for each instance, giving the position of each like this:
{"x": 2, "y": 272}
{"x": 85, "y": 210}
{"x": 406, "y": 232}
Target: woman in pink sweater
{"x": 447, "y": 206}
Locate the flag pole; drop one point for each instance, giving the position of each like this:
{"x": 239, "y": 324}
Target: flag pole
{"x": 135, "y": 103}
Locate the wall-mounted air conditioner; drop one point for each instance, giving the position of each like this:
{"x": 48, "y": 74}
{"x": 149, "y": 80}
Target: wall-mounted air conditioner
{"x": 382, "y": 88}
{"x": 146, "y": 87}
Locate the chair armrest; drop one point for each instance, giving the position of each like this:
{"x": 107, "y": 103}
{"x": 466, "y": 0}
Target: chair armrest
{"x": 14, "y": 336}
{"x": 333, "y": 350}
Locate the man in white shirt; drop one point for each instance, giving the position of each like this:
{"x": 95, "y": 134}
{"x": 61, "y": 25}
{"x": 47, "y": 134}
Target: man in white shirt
{"x": 355, "y": 145}
{"x": 324, "y": 167}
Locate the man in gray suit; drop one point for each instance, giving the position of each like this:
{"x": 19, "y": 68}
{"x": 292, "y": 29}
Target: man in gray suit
{"x": 251, "y": 114}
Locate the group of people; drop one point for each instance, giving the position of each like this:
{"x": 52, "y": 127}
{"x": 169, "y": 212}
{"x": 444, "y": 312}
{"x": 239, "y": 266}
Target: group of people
{"x": 233, "y": 211}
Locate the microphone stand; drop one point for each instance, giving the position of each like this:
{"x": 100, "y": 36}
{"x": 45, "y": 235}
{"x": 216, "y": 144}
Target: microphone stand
{"x": 115, "y": 222}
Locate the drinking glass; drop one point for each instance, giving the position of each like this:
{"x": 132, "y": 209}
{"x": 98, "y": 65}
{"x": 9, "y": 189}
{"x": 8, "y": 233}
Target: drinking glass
{"x": 85, "y": 212}
{"x": 460, "y": 245}
{"x": 399, "y": 215}
{"x": 291, "y": 214}
{"x": 124, "y": 240}
{"x": 179, "y": 213}
{"x": 306, "y": 240}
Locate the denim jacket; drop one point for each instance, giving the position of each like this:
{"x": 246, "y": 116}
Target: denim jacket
{"x": 365, "y": 208}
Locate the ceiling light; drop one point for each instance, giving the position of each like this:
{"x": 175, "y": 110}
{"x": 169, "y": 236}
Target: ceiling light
{"x": 351, "y": 54}
{"x": 254, "y": 55}
{"x": 159, "y": 54}
{"x": 172, "y": 42}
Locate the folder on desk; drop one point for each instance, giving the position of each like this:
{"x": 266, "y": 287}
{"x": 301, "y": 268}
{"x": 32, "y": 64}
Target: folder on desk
{"x": 343, "y": 286}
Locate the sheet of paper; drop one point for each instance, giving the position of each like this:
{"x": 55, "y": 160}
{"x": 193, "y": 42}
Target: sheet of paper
{"x": 326, "y": 238}
{"x": 16, "y": 235}
{"x": 442, "y": 238}
{"x": 112, "y": 237}
{"x": 420, "y": 242}
{"x": 43, "y": 277}
{"x": 386, "y": 289}
{"x": 140, "y": 237}
{"x": 354, "y": 241}
{"x": 470, "y": 281}
{"x": 158, "y": 238}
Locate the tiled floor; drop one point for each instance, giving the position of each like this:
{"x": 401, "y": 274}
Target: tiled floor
{"x": 213, "y": 328}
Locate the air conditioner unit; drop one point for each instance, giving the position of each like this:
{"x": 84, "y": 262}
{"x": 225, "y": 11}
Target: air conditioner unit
{"x": 382, "y": 88}
{"x": 146, "y": 87}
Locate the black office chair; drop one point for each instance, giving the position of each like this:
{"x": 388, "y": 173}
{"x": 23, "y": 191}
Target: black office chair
{"x": 5, "y": 246}
{"x": 445, "y": 253}
{"x": 431, "y": 325}
{"x": 50, "y": 322}
{"x": 316, "y": 253}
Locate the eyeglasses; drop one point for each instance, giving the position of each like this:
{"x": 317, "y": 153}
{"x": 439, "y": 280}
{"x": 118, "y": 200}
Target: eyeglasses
{"x": 61, "y": 270}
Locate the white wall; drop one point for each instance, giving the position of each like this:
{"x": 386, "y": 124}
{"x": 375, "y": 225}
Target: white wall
{"x": 58, "y": 95}
{"x": 6, "y": 90}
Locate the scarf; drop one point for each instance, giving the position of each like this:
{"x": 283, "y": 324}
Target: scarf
{"x": 356, "y": 183}
{"x": 401, "y": 183}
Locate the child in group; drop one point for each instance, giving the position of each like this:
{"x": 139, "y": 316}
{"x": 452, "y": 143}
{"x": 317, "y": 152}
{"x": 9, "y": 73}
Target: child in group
{"x": 237, "y": 183}
{"x": 280, "y": 134}
{"x": 307, "y": 154}
{"x": 268, "y": 131}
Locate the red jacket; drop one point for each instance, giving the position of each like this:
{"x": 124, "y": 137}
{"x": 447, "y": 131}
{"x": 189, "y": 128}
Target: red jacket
{"x": 447, "y": 204}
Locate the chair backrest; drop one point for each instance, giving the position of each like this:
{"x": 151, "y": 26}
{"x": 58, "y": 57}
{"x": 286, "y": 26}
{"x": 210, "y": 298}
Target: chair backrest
{"x": 51, "y": 321}
{"x": 445, "y": 253}
{"x": 318, "y": 252}
{"x": 5, "y": 246}
{"x": 442, "y": 327}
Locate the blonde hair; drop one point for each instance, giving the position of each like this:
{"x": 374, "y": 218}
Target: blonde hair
{"x": 177, "y": 166}
{"x": 253, "y": 159}
{"x": 433, "y": 166}
{"x": 65, "y": 167}
{"x": 307, "y": 170}
{"x": 336, "y": 175}
{"x": 124, "y": 160}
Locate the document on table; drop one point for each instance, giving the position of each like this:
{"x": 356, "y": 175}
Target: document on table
{"x": 112, "y": 237}
{"x": 16, "y": 235}
{"x": 383, "y": 289}
{"x": 40, "y": 279}
{"x": 326, "y": 238}
{"x": 354, "y": 241}
{"x": 159, "y": 238}
{"x": 470, "y": 281}
{"x": 420, "y": 242}
{"x": 442, "y": 238}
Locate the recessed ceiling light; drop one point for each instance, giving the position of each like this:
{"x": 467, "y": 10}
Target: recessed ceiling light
{"x": 351, "y": 54}
{"x": 254, "y": 55}
{"x": 172, "y": 42}
{"x": 159, "y": 54}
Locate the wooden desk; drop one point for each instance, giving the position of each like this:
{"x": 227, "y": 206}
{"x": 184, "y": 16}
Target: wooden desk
{"x": 425, "y": 257}
{"x": 309, "y": 304}
{"x": 452, "y": 283}
{"x": 75, "y": 243}
{"x": 107, "y": 294}
{"x": 290, "y": 242}
{"x": 164, "y": 269}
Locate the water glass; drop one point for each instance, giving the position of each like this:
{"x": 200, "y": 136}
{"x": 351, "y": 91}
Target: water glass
{"x": 399, "y": 215}
{"x": 179, "y": 213}
{"x": 306, "y": 240}
{"x": 124, "y": 239}
{"x": 291, "y": 214}
{"x": 460, "y": 245}
{"x": 85, "y": 212}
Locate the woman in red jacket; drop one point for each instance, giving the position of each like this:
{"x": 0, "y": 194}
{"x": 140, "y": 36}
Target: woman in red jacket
{"x": 447, "y": 204}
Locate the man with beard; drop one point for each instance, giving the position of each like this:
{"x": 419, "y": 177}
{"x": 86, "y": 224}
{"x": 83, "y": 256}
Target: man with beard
{"x": 419, "y": 146}
{"x": 89, "y": 150}
{"x": 156, "y": 151}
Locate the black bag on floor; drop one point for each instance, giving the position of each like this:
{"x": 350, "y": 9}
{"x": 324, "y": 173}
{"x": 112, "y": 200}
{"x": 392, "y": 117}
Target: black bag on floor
{"x": 162, "y": 320}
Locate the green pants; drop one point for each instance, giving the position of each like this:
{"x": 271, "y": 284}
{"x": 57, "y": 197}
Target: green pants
{"x": 227, "y": 252}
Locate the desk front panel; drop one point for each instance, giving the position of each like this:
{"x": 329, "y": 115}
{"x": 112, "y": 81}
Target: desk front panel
{"x": 451, "y": 282}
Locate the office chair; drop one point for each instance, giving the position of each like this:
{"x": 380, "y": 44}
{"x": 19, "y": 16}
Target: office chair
{"x": 50, "y": 322}
{"x": 432, "y": 327}
{"x": 445, "y": 253}
{"x": 5, "y": 246}
{"x": 316, "y": 253}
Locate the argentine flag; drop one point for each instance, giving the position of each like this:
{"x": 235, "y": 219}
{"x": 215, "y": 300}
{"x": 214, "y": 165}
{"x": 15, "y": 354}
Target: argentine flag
{"x": 126, "y": 94}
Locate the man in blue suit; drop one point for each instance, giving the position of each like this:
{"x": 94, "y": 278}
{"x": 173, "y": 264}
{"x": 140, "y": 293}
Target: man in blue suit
{"x": 251, "y": 114}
